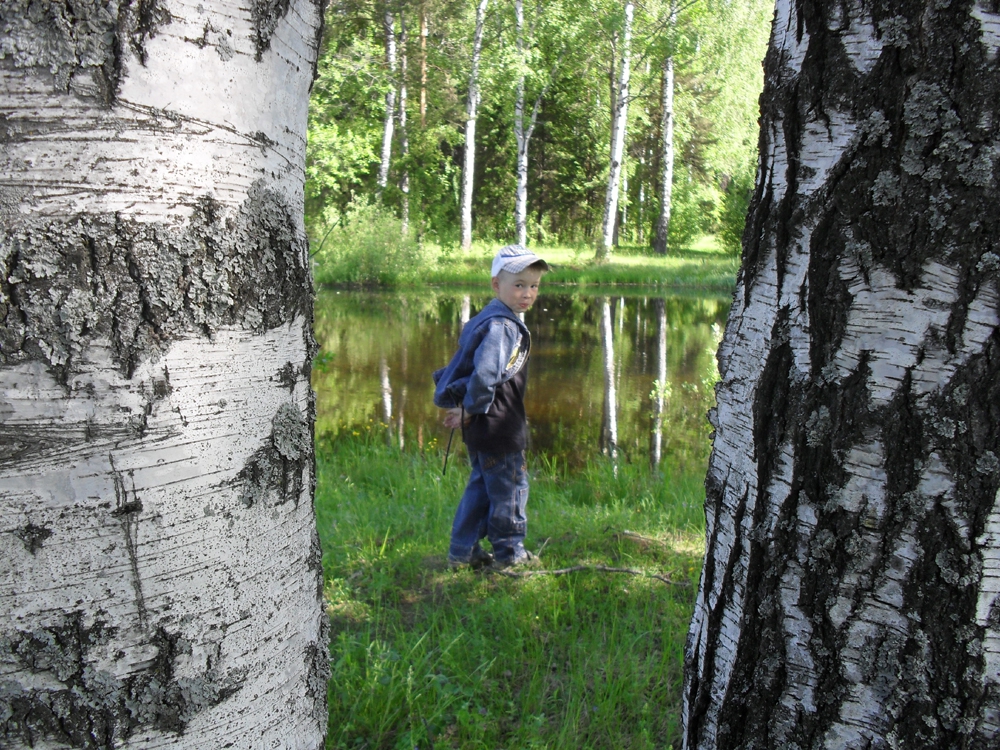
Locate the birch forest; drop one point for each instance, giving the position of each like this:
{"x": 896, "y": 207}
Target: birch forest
{"x": 590, "y": 123}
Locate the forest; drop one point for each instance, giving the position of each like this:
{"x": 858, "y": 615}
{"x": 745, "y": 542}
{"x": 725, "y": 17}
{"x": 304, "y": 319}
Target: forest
{"x": 582, "y": 123}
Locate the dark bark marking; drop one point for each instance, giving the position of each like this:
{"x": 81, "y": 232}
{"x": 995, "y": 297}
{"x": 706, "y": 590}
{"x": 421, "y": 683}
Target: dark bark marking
{"x": 266, "y": 14}
{"x": 127, "y": 510}
{"x": 144, "y": 285}
{"x": 317, "y": 656}
{"x": 288, "y": 376}
{"x": 92, "y": 708}
{"x": 829, "y": 300}
{"x": 66, "y": 39}
{"x": 32, "y": 536}
{"x": 699, "y": 685}
{"x": 273, "y": 474}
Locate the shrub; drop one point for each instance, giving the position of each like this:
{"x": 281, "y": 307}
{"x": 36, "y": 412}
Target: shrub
{"x": 367, "y": 248}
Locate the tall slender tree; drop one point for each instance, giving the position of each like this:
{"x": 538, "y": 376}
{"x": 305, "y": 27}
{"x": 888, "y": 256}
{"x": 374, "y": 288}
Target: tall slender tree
{"x": 471, "y": 111}
{"x": 619, "y": 124}
{"x": 161, "y": 569}
{"x": 849, "y": 595}
{"x": 389, "y": 118}
{"x": 666, "y": 139}
{"x": 404, "y": 135}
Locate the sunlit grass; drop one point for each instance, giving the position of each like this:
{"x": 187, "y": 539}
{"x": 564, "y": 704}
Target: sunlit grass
{"x": 703, "y": 265}
{"x": 426, "y": 657}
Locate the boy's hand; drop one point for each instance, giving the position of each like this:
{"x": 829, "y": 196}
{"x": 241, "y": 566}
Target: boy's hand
{"x": 453, "y": 418}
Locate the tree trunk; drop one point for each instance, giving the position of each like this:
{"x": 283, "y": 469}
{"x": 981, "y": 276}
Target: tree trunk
{"x": 162, "y": 582}
{"x": 623, "y": 201}
{"x": 641, "y": 208}
{"x": 423, "y": 66}
{"x": 388, "y": 26}
{"x": 521, "y": 194}
{"x": 849, "y": 593}
{"x": 619, "y": 120}
{"x": 666, "y": 156}
{"x": 404, "y": 136}
{"x": 471, "y": 108}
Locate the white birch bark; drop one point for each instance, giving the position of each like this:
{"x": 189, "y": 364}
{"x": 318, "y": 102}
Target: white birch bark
{"x": 388, "y": 122}
{"x": 849, "y": 597}
{"x": 666, "y": 156}
{"x": 424, "y": 31}
{"x": 619, "y": 122}
{"x": 404, "y": 136}
{"x": 161, "y": 581}
{"x": 471, "y": 110}
{"x": 522, "y": 135}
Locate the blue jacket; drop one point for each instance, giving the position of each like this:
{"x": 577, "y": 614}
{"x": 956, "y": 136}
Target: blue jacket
{"x": 492, "y": 349}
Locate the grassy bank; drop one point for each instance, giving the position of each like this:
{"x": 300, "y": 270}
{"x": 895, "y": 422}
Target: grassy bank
{"x": 702, "y": 266}
{"x": 427, "y": 657}
{"x": 367, "y": 250}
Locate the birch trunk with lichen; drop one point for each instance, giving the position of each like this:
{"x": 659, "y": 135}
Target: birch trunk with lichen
{"x": 849, "y": 596}
{"x": 160, "y": 580}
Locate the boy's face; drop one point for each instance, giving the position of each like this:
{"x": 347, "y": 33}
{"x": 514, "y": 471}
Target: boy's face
{"x": 517, "y": 290}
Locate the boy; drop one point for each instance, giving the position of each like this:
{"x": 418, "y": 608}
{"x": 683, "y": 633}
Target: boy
{"x": 482, "y": 389}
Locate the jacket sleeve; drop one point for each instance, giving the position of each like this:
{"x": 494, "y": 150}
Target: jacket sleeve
{"x": 491, "y": 359}
{"x": 448, "y": 395}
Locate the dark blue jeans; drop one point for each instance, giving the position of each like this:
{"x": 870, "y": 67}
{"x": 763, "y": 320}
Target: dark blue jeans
{"x": 492, "y": 507}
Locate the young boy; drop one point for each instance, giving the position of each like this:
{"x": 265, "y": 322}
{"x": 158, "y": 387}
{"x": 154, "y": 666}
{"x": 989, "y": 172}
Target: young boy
{"x": 482, "y": 389}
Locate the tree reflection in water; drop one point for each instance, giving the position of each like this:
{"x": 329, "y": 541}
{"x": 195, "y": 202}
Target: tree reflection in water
{"x": 641, "y": 397}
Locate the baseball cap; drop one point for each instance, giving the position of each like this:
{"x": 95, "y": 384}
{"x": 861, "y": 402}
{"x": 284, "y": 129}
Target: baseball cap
{"x": 514, "y": 259}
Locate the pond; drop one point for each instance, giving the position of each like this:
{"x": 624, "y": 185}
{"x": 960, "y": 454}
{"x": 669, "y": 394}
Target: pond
{"x": 596, "y": 368}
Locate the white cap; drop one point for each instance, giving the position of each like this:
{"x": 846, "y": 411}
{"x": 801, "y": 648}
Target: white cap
{"x": 514, "y": 259}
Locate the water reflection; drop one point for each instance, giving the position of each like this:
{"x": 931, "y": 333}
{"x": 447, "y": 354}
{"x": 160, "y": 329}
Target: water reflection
{"x": 629, "y": 376}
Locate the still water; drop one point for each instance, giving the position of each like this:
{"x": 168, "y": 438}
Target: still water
{"x": 628, "y": 376}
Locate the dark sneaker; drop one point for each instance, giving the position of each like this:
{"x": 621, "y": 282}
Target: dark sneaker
{"x": 479, "y": 558}
{"x": 527, "y": 559}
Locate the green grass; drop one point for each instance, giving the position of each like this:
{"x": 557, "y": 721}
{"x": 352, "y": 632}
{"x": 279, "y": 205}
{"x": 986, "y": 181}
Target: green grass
{"x": 702, "y": 266}
{"x": 431, "y": 658}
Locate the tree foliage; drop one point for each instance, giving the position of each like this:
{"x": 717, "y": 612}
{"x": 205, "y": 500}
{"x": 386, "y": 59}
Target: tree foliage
{"x": 568, "y": 66}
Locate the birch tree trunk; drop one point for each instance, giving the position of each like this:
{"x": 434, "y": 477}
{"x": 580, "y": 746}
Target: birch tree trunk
{"x": 161, "y": 580}
{"x": 641, "y": 219}
{"x": 423, "y": 65}
{"x": 521, "y": 136}
{"x": 619, "y": 120}
{"x": 471, "y": 109}
{"x": 666, "y": 156}
{"x": 388, "y": 26}
{"x": 849, "y": 597}
{"x": 404, "y": 136}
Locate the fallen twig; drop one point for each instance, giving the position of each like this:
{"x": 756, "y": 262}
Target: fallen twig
{"x": 592, "y": 568}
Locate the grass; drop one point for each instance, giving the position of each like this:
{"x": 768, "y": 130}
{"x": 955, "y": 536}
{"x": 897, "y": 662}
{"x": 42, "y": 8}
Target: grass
{"x": 704, "y": 266}
{"x": 425, "y": 657}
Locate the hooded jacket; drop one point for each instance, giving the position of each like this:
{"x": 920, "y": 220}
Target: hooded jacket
{"x": 488, "y": 376}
